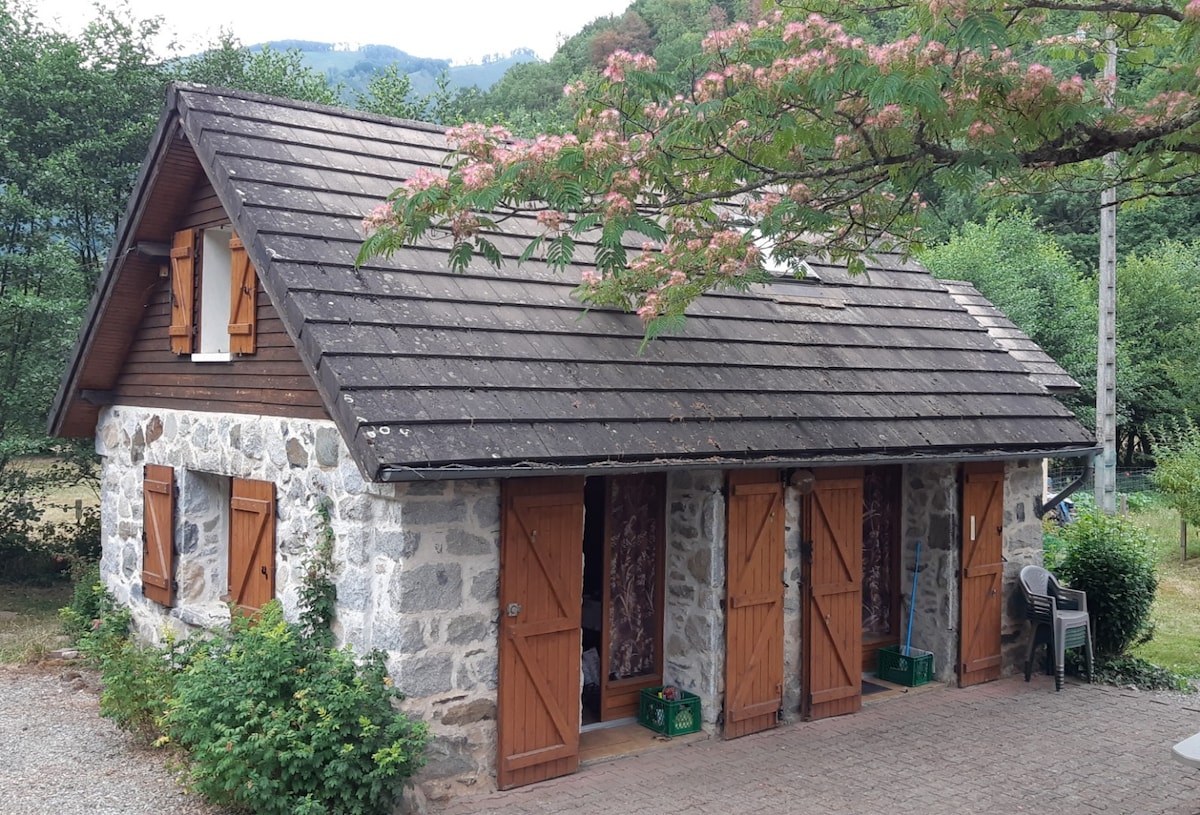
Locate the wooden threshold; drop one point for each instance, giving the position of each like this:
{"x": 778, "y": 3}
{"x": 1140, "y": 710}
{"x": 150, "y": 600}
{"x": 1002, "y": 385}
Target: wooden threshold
{"x": 892, "y": 690}
{"x": 605, "y": 743}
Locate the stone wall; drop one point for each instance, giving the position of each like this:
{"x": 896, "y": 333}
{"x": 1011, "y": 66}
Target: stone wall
{"x": 419, "y": 562}
{"x": 695, "y": 626}
{"x": 1023, "y": 485}
{"x": 930, "y": 500}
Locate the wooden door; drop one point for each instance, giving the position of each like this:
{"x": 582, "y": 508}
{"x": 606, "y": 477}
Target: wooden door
{"x": 982, "y": 572}
{"x": 541, "y": 583}
{"x": 832, "y": 606}
{"x": 754, "y": 602}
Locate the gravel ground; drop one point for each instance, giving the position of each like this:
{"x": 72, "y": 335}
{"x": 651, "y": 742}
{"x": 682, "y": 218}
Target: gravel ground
{"x": 58, "y": 757}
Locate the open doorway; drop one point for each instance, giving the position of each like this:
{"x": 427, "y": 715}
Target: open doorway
{"x": 624, "y": 552}
{"x": 880, "y": 562}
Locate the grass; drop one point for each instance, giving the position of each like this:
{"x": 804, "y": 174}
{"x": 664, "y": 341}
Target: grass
{"x": 29, "y": 626}
{"x": 64, "y": 503}
{"x": 1176, "y": 613}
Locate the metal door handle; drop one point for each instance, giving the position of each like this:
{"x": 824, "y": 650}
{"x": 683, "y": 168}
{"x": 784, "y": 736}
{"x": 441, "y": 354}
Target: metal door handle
{"x": 514, "y": 609}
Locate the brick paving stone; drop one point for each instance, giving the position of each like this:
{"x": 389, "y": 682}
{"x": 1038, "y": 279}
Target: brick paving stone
{"x": 1007, "y": 746}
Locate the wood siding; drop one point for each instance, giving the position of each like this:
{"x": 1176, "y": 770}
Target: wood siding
{"x": 271, "y": 381}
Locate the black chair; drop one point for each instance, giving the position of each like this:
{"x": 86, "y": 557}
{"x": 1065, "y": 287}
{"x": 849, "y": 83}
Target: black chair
{"x": 1060, "y": 619}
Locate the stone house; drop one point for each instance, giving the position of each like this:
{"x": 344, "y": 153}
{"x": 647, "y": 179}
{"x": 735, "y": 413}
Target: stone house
{"x": 533, "y": 520}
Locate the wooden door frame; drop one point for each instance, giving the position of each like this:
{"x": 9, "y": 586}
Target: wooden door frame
{"x": 619, "y": 698}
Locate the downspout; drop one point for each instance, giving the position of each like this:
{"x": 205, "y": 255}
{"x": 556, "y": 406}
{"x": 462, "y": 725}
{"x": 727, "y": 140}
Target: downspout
{"x": 1051, "y": 504}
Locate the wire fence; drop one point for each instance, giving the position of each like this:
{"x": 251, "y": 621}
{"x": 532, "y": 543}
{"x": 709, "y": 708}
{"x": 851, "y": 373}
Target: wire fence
{"x": 1129, "y": 479}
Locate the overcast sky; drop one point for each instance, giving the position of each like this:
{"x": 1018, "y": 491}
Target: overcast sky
{"x": 461, "y": 30}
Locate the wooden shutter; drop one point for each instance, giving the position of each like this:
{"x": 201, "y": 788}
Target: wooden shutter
{"x": 832, "y": 609}
{"x": 982, "y": 573}
{"x": 158, "y": 539}
{"x": 541, "y": 588}
{"x": 183, "y": 291}
{"x": 251, "y": 543}
{"x": 243, "y": 299}
{"x": 754, "y": 603}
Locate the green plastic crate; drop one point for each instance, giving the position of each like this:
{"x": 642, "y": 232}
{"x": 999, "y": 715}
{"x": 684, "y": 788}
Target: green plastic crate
{"x": 669, "y": 717}
{"x": 894, "y": 665}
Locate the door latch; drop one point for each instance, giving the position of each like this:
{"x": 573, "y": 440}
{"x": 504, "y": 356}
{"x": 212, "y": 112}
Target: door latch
{"x": 514, "y": 609}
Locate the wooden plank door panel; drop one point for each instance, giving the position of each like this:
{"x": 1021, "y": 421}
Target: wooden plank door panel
{"x": 541, "y": 584}
{"x": 754, "y": 603}
{"x": 982, "y": 573}
{"x": 251, "y": 543}
{"x": 832, "y": 624}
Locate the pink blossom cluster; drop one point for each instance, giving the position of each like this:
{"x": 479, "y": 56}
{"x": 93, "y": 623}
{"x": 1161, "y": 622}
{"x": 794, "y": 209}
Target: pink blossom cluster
{"x": 377, "y": 217}
{"x": 552, "y": 220}
{"x": 735, "y": 37}
{"x": 620, "y": 61}
{"x": 425, "y": 179}
{"x": 478, "y": 140}
{"x": 1192, "y": 10}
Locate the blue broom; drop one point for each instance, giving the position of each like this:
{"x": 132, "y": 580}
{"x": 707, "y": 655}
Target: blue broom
{"x": 912, "y": 602}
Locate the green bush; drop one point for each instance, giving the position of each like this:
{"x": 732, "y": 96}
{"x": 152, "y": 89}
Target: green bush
{"x": 1110, "y": 558}
{"x": 277, "y": 724}
{"x": 87, "y": 601}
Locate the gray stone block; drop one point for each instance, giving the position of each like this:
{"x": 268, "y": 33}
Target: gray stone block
{"x": 468, "y": 629}
{"x": 449, "y": 756}
{"x": 486, "y": 586}
{"x": 487, "y": 513}
{"x": 420, "y": 513}
{"x": 297, "y": 456}
{"x": 460, "y": 542}
{"x": 425, "y": 588}
{"x": 396, "y": 544}
{"x": 426, "y": 674}
{"x": 326, "y": 446}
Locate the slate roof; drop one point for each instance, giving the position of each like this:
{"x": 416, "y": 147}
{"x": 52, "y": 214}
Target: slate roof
{"x": 434, "y": 373}
{"x": 1044, "y": 370}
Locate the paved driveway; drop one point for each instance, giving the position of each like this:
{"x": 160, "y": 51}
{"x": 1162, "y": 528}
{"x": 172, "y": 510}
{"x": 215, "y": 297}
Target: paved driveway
{"x": 1003, "y": 747}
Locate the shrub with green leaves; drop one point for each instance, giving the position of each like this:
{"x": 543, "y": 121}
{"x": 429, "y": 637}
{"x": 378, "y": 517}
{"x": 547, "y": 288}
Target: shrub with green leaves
{"x": 276, "y": 723}
{"x": 1177, "y": 471}
{"x": 1110, "y": 558}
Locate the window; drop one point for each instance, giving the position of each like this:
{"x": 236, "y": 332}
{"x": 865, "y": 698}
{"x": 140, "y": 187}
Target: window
{"x": 214, "y": 292}
{"x": 228, "y": 540}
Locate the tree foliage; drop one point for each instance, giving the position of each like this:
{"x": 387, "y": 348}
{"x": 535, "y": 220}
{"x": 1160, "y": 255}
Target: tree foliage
{"x": 1177, "y": 466}
{"x": 1158, "y": 341}
{"x": 807, "y": 131}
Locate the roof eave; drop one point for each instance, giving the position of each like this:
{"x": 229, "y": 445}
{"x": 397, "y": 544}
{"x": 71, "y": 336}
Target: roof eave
{"x": 122, "y": 245}
{"x": 526, "y": 469}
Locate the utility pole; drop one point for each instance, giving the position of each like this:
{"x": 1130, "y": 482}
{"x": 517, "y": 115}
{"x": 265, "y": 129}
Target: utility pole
{"x": 1105, "y": 483}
